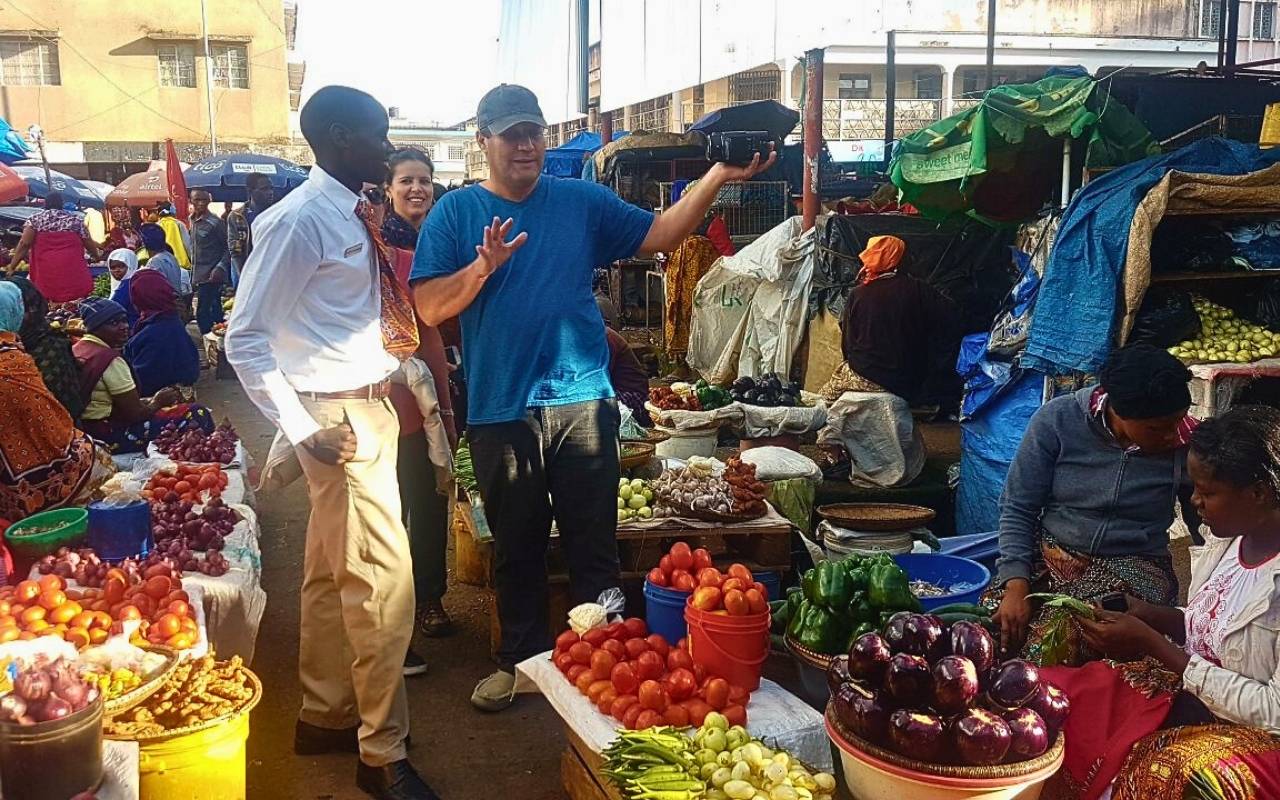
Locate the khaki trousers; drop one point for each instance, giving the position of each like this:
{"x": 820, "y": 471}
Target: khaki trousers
{"x": 357, "y": 585}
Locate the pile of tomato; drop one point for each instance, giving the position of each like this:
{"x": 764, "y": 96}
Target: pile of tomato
{"x": 735, "y": 592}
{"x": 640, "y": 680}
{"x": 194, "y": 482}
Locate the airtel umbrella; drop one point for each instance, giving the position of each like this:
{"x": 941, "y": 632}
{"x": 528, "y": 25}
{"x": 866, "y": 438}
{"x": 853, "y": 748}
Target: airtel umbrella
{"x": 140, "y": 190}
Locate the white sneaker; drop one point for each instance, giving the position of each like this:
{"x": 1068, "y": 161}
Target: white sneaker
{"x": 496, "y": 692}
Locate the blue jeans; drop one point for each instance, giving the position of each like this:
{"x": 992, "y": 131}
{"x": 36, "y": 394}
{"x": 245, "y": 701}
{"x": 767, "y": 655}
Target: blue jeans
{"x": 208, "y": 306}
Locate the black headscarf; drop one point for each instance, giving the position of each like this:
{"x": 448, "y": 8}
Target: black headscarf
{"x": 50, "y": 349}
{"x": 398, "y": 232}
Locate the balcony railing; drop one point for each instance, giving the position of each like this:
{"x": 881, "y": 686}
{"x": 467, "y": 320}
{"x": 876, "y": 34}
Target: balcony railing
{"x": 865, "y": 119}
{"x": 657, "y": 120}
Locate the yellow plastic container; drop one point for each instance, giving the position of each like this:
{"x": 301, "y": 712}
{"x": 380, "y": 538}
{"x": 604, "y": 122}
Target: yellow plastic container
{"x": 204, "y": 765}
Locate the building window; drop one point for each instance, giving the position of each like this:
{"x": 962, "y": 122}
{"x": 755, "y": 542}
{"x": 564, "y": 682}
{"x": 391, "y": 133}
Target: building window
{"x": 1264, "y": 20}
{"x": 177, "y": 65}
{"x": 454, "y": 152}
{"x": 26, "y": 62}
{"x": 755, "y": 84}
{"x": 854, "y": 86}
{"x": 928, "y": 85}
{"x": 1210, "y": 18}
{"x": 230, "y": 66}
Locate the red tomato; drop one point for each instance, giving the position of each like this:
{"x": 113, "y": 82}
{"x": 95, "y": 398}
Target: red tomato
{"x": 738, "y": 696}
{"x": 602, "y": 664}
{"x": 700, "y": 672}
{"x": 581, "y": 652}
{"x": 733, "y": 583}
{"x": 716, "y": 693}
{"x": 676, "y": 716}
{"x": 566, "y": 640}
{"x": 647, "y": 719}
{"x": 707, "y": 598}
{"x": 681, "y": 684}
{"x": 741, "y": 572}
{"x": 649, "y": 666}
{"x": 756, "y": 604}
{"x": 624, "y": 679}
{"x": 635, "y": 647}
{"x": 604, "y": 703}
{"x": 679, "y": 574}
{"x": 710, "y": 576}
{"x": 698, "y": 711}
{"x": 562, "y": 661}
{"x": 657, "y": 577}
{"x": 616, "y": 649}
{"x": 678, "y": 659}
{"x": 635, "y": 627}
{"x": 685, "y": 583}
{"x": 735, "y": 602}
{"x": 665, "y": 565}
{"x": 629, "y": 716}
{"x": 737, "y": 715}
{"x": 595, "y": 637}
{"x": 681, "y": 556}
{"x": 595, "y": 689}
{"x": 701, "y": 559}
{"x": 584, "y": 681}
{"x": 620, "y": 705}
{"x": 654, "y": 697}
{"x": 615, "y": 631}
{"x": 683, "y": 644}
{"x": 760, "y": 587}
{"x": 576, "y": 671}
{"x": 658, "y": 645}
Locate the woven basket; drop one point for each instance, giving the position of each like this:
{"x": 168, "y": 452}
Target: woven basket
{"x": 635, "y": 454}
{"x": 142, "y": 691}
{"x": 994, "y": 772}
{"x": 876, "y": 516}
{"x": 254, "y": 682}
{"x": 812, "y": 658}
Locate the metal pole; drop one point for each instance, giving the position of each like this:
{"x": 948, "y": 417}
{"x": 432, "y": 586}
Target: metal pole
{"x": 584, "y": 62}
{"x": 1222, "y": 31}
{"x": 812, "y": 136}
{"x": 1233, "y": 35}
{"x": 606, "y": 127}
{"x": 890, "y": 94}
{"x": 991, "y": 43}
{"x": 1066, "y": 170}
{"x": 208, "y": 76}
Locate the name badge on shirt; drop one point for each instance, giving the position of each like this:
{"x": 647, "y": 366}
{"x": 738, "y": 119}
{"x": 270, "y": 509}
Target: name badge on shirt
{"x": 352, "y": 250}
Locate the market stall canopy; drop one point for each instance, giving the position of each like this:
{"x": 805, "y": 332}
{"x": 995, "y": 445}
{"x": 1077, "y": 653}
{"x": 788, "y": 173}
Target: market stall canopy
{"x": 141, "y": 190}
{"x": 763, "y": 115}
{"x": 100, "y": 188}
{"x": 647, "y": 147}
{"x": 224, "y": 176}
{"x": 12, "y": 186}
{"x": 72, "y": 189}
{"x": 1076, "y": 312}
{"x": 566, "y": 160}
{"x": 1001, "y": 160}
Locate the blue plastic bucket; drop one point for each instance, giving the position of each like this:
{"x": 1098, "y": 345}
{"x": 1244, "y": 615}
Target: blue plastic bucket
{"x": 772, "y": 583}
{"x": 964, "y": 579}
{"x": 120, "y": 532}
{"x": 664, "y": 612}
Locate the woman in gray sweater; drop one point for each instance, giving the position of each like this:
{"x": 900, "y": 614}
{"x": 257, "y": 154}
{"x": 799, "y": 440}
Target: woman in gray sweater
{"x": 1090, "y": 495}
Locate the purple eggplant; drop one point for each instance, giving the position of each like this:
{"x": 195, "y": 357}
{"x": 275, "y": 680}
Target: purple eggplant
{"x": 908, "y": 680}
{"x": 917, "y": 734}
{"x": 920, "y": 634}
{"x": 955, "y": 684}
{"x": 981, "y": 737}
{"x": 1052, "y": 705}
{"x": 838, "y": 673}
{"x": 869, "y": 657}
{"x": 1030, "y": 735}
{"x": 971, "y": 640}
{"x": 1015, "y": 683}
{"x": 895, "y": 630}
{"x": 860, "y": 710}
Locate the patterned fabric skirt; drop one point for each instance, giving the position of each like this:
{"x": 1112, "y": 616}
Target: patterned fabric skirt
{"x": 135, "y": 438}
{"x": 67, "y": 481}
{"x": 1202, "y": 762}
{"x": 688, "y": 263}
{"x": 844, "y": 380}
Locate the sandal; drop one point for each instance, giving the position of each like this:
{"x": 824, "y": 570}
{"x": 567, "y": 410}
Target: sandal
{"x": 434, "y": 621}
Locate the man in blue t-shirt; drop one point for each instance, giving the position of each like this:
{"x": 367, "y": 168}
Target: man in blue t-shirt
{"x": 542, "y": 421}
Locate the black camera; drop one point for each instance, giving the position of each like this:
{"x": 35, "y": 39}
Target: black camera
{"x": 738, "y": 147}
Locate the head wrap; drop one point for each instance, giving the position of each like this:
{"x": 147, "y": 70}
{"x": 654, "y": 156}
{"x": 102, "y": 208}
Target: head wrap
{"x": 153, "y": 238}
{"x": 152, "y": 295}
{"x": 882, "y": 255}
{"x": 99, "y": 311}
{"x": 11, "y": 308}
{"x": 1145, "y": 382}
{"x": 35, "y": 326}
{"x": 130, "y": 260}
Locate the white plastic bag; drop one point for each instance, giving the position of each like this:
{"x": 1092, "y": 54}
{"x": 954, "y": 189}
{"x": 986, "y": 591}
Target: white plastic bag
{"x": 781, "y": 463}
{"x": 595, "y": 615}
{"x": 880, "y": 436}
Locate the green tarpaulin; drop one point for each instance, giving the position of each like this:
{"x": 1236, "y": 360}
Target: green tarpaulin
{"x": 1001, "y": 160}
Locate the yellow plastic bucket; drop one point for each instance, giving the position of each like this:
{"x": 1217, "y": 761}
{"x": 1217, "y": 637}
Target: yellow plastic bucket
{"x": 205, "y": 765}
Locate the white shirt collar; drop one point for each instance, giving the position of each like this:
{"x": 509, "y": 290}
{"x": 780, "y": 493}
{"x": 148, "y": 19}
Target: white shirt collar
{"x": 342, "y": 198}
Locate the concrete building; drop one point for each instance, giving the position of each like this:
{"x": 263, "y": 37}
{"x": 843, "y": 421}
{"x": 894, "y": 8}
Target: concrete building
{"x": 447, "y": 146}
{"x": 109, "y": 82}
{"x": 659, "y": 65}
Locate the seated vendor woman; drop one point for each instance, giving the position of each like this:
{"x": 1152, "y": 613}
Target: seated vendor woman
{"x": 114, "y": 412}
{"x": 1090, "y": 495}
{"x": 160, "y": 351}
{"x": 1192, "y": 696}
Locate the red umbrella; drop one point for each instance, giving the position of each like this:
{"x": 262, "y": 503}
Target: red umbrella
{"x": 177, "y": 184}
{"x": 12, "y": 186}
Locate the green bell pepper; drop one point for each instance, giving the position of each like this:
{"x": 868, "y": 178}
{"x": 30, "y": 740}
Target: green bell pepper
{"x": 832, "y": 586}
{"x": 809, "y": 585}
{"x": 821, "y": 630}
{"x": 889, "y": 588}
{"x": 859, "y": 579}
{"x": 860, "y": 609}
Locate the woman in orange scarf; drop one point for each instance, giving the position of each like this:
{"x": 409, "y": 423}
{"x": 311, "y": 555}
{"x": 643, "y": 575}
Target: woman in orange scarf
{"x": 44, "y": 461}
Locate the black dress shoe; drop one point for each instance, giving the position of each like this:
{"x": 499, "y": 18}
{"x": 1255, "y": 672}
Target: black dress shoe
{"x": 312, "y": 740}
{"x": 396, "y": 781}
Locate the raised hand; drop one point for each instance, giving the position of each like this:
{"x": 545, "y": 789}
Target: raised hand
{"x": 732, "y": 173}
{"x": 494, "y": 251}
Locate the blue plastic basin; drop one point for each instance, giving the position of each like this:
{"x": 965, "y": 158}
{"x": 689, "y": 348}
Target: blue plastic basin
{"x": 964, "y": 579}
{"x": 664, "y": 612}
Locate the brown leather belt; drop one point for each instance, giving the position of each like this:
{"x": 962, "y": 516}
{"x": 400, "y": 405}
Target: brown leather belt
{"x": 374, "y": 391}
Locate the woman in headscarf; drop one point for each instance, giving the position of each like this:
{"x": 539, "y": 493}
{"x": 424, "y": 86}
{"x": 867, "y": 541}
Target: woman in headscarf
{"x": 122, "y": 263}
{"x": 44, "y": 461}
{"x": 161, "y": 258}
{"x": 115, "y": 412}
{"x": 160, "y": 351}
{"x": 122, "y": 233}
{"x": 49, "y": 348}
{"x": 56, "y": 241}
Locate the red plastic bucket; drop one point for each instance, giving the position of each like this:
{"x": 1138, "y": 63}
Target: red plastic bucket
{"x": 733, "y": 648}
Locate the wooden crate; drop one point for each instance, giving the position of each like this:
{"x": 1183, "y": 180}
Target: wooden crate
{"x": 579, "y": 772}
{"x": 473, "y": 561}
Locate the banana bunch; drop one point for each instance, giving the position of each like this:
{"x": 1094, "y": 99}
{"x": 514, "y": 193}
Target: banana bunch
{"x": 653, "y": 764}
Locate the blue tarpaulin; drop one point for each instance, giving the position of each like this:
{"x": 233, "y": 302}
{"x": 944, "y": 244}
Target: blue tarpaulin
{"x": 13, "y": 147}
{"x": 566, "y": 160}
{"x": 1075, "y": 319}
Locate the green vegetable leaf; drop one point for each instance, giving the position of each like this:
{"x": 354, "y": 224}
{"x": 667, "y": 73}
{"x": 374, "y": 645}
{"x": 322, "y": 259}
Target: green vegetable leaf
{"x": 1066, "y": 602}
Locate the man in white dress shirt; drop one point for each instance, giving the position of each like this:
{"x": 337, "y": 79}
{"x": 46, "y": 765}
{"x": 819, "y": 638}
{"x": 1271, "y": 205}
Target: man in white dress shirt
{"x": 307, "y": 341}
